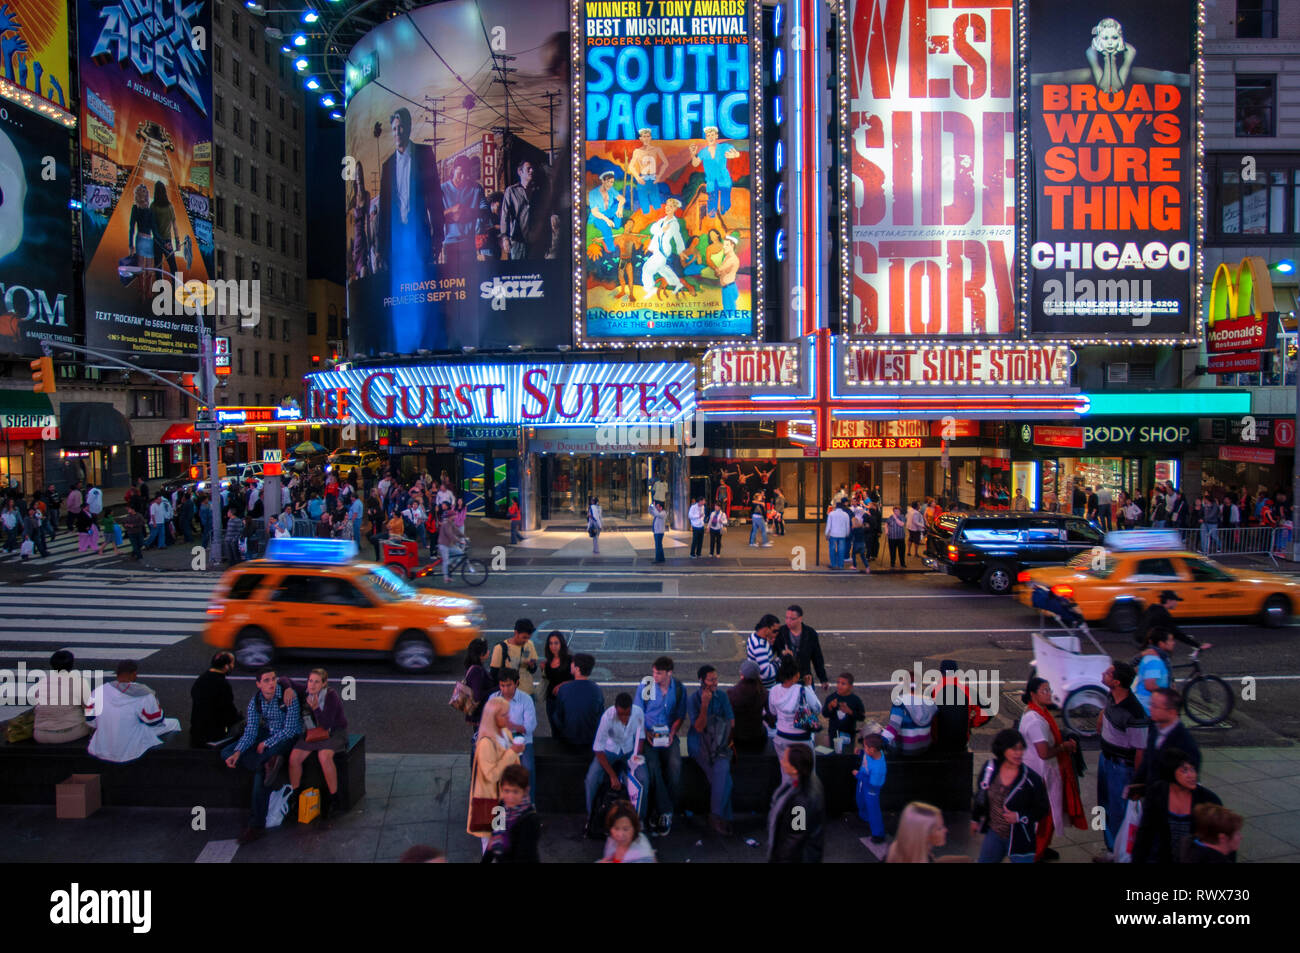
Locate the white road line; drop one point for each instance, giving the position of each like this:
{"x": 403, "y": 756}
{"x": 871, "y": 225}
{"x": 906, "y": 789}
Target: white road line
{"x": 10, "y": 623}
{"x": 217, "y": 852}
{"x": 18, "y": 611}
{"x": 89, "y": 652}
{"x": 106, "y": 638}
{"x": 596, "y": 596}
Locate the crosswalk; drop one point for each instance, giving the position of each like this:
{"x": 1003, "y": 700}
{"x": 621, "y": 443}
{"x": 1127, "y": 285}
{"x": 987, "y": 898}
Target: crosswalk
{"x": 62, "y": 553}
{"x": 101, "y": 616}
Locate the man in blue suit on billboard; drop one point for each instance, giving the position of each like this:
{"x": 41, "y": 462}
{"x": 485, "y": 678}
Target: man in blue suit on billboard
{"x": 717, "y": 177}
{"x": 409, "y": 234}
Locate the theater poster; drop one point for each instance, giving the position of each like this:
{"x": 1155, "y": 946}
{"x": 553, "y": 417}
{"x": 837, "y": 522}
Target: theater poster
{"x": 458, "y": 179}
{"x": 930, "y": 214}
{"x": 34, "y": 58}
{"x": 146, "y": 138}
{"x": 36, "y": 300}
{"x": 670, "y": 166}
{"x": 1112, "y": 116}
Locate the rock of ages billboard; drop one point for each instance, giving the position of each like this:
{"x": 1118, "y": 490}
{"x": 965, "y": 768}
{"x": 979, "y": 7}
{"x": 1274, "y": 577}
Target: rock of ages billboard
{"x": 146, "y": 141}
{"x": 667, "y": 181}
{"x": 1112, "y": 125}
{"x": 932, "y": 144}
{"x": 36, "y": 275}
{"x": 457, "y": 185}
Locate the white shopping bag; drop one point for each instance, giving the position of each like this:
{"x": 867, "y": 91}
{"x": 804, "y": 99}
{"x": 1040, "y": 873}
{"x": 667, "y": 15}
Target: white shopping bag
{"x": 635, "y": 790}
{"x": 1126, "y": 837}
{"x": 277, "y": 808}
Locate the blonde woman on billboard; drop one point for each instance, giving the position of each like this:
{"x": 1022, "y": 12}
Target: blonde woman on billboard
{"x": 140, "y": 235}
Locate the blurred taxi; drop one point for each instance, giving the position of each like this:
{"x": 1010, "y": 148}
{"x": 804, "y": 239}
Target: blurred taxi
{"x": 1116, "y": 583}
{"x": 308, "y": 596}
{"x": 344, "y": 463}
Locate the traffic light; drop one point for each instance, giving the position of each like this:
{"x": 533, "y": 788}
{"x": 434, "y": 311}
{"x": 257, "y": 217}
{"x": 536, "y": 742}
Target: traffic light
{"x": 43, "y": 375}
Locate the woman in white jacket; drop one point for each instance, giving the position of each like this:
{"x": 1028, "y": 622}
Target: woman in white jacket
{"x": 594, "y": 523}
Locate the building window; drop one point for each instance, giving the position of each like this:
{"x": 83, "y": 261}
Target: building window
{"x": 252, "y": 39}
{"x": 282, "y": 197}
{"x": 270, "y": 330}
{"x": 257, "y": 363}
{"x": 234, "y": 24}
{"x": 266, "y": 58}
{"x": 252, "y": 176}
{"x": 269, "y": 187}
{"x": 148, "y": 403}
{"x": 239, "y": 221}
{"x": 1257, "y": 19}
{"x": 295, "y": 118}
{"x": 284, "y": 278}
{"x": 332, "y": 324}
{"x": 255, "y": 224}
{"x": 257, "y": 269}
{"x": 311, "y": 323}
{"x": 252, "y": 86}
{"x": 219, "y": 109}
{"x": 282, "y": 150}
{"x": 236, "y": 121}
{"x": 270, "y": 234}
{"x": 239, "y": 170}
{"x": 221, "y": 212}
{"x": 268, "y": 144}
{"x": 257, "y": 399}
{"x": 270, "y": 359}
{"x": 282, "y": 241}
{"x": 297, "y": 246}
{"x": 1268, "y": 203}
{"x": 267, "y": 93}
{"x": 270, "y": 283}
{"x": 295, "y": 202}
{"x": 252, "y": 132}
{"x": 1256, "y": 101}
{"x": 284, "y": 334}
{"x": 234, "y": 72}
{"x": 239, "y": 273}
{"x": 154, "y": 463}
{"x": 295, "y": 160}
{"x": 242, "y": 402}
{"x": 297, "y": 289}
{"x": 281, "y": 107}
{"x": 221, "y": 263}
{"x": 217, "y": 61}
{"x": 220, "y": 163}
{"x": 239, "y": 365}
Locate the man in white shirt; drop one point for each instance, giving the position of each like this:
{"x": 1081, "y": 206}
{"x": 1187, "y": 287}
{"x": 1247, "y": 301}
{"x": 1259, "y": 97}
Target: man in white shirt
{"x": 157, "y": 523}
{"x": 618, "y": 749}
{"x": 95, "y": 501}
{"x": 127, "y": 717}
{"x": 666, "y": 240}
{"x": 696, "y": 516}
{"x": 523, "y": 715}
{"x": 838, "y": 529}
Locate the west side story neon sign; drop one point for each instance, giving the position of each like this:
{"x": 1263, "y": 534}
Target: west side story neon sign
{"x": 538, "y": 395}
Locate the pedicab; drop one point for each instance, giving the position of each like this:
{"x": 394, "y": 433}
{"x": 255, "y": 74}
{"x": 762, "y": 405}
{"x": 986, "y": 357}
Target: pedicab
{"x": 1075, "y": 674}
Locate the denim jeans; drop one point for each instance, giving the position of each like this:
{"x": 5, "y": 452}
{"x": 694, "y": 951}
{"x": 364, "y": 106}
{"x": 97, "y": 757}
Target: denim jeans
{"x": 515, "y": 535}
{"x": 759, "y": 528}
{"x": 995, "y": 848}
{"x": 719, "y": 774}
{"x": 1210, "y": 531}
{"x": 697, "y": 540}
{"x": 715, "y": 542}
{"x": 836, "y": 547}
{"x": 617, "y": 761}
{"x": 664, "y": 770}
{"x": 1112, "y": 777}
{"x": 255, "y": 761}
{"x": 157, "y": 536}
{"x": 659, "y": 547}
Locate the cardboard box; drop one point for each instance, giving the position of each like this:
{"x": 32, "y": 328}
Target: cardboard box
{"x": 77, "y": 797}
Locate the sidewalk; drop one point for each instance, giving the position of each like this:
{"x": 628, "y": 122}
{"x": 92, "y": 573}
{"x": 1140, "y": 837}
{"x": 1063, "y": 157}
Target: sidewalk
{"x": 421, "y": 799}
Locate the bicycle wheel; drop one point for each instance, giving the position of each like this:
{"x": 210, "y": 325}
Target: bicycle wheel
{"x": 1083, "y": 708}
{"x": 473, "y": 571}
{"x": 1207, "y": 699}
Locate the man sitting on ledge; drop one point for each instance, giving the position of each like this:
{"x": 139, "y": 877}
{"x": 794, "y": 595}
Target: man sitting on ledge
{"x": 128, "y": 719}
{"x": 274, "y": 722}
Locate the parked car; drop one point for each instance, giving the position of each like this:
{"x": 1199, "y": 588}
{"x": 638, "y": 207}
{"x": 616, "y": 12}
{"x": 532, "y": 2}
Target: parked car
{"x": 992, "y": 548}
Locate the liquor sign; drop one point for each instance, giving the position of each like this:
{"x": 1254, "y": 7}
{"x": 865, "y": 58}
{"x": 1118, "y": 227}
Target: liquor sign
{"x": 753, "y": 366}
{"x": 537, "y": 395}
{"x": 928, "y": 92}
{"x": 957, "y": 366}
{"x": 1247, "y": 455}
{"x": 1243, "y": 313}
{"x": 222, "y": 351}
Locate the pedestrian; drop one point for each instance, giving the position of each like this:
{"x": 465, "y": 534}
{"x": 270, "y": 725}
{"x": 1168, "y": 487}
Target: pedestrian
{"x": 1010, "y": 801}
{"x": 110, "y": 531}
{"x": 157, "y": 524}
{"x": 662, "y": 701}
{"x": 712, "y": 723}
{"x": 920, "y": 831}
{"x": 803, "y": 644}
{"x": 1211, "y": 514}
{"x": 518, "y": 653}
{"x": 658, "y": 524}
{"x": 1168, "y": 808}
{"x": 133, "y": 527}
{"x": 915, "y": 527}
{"x": 272, "y": 724}
{"x": 778, "y": 508}
{"x": 205, "y": 522}
{"x": 449, "y": 541}
{"x": 910, "y": 728}
{"x": 625, "y": 843}
{"x": 838, "y": 528}
{"x": 13, "y": 526}
{"x": 796, "y": 831}
{"x": 59, "y": 702}
{"x": 326, "y": 735}
{"x": 212, "y": 711}
{"x": 594, "y": 523}
{"x": 1104, "y": 509}
{"x": 871, "y": 779}
{"x": 234, "y": 534}
{"x": 1050, "y": 757}
{"x": 896, "y": 532}
{"x": 73, "y": 505}
{"x": 53, "y": 500}
{"x": 748, "y": 700}
{"x": 617, "y": 747}
{"x": 717, "y": 526}
{"x": 955, "y": 713}
{"x": 516, "y": 522}
{"x": 758, "y": 521}
{"x": 1122, "y": 728}
{"x": 858, "y": 534}
{"x": 476, "y": 680}
{"x": 496, "y": 749}
{"x": 579, "y": 705}
{"x": 1154, "y": 666}
{"x": 1167, "y": 731}
{"x": 758, "y": 649}
{"x": 696, "y": 516}
{"x": 1217, "y": 835}
{"x": 34, "y": 527}
{"x": 871, "y": 521}
{"x": 515, "y": 840}
{"x": 789, "y": 700}
{"x": 557, "y": 668}
{"x": 843, "y": 712}
{"x": 87, "y": 531}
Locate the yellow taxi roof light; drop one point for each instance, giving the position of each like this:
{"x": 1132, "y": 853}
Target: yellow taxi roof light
{"x": 1130, "y": 540}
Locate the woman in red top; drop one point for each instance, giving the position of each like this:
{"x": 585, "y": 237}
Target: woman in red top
{"x": 516, "y": 522}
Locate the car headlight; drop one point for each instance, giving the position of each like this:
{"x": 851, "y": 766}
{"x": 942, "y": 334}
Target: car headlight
{"x": 459, "y": 621}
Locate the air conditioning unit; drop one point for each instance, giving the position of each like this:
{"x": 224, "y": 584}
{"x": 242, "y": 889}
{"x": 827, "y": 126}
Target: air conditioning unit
{"x": 1117, "y": 373}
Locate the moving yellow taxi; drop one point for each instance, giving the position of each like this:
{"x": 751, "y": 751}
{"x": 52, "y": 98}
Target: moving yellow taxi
{"x": 344, "y": 463}
{"x": 1118, "y": 583}
{"x": 308, "y": 596}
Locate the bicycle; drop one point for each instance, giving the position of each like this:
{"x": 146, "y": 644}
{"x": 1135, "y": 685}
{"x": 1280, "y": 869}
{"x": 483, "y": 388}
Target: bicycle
{"x": 1207, "y": 699}
{"x": 473, "y": 572}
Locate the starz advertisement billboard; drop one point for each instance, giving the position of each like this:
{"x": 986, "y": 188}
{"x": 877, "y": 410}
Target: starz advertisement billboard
{"x": 458, "y": 183}
{"x": 670, "y": 170}
{"x": 146, "y": 139}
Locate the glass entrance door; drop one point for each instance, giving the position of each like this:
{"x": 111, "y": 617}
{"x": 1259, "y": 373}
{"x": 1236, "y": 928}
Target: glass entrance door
{"x": 613, "y": 482}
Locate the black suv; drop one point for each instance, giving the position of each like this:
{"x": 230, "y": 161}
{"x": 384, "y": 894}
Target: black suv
{"x": 991, "y": 548}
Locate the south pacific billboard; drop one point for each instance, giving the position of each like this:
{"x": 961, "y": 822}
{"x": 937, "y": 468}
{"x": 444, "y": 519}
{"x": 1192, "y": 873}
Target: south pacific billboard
{"x": 36, "y": 276}
{"x": 1112, "y": 116}
{"x": 670, "y": 169}
{"x": 458, "y": 177}
{"x": 146, "y": 138}
{"x": 930, "y": 215}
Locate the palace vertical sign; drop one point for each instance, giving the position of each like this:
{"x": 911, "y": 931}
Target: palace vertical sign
{"x": 931, "y": 126}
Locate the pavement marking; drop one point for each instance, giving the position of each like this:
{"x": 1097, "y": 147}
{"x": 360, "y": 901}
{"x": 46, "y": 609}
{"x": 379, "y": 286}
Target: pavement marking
{"x": 578, "y": 596}
{"x": 217, "y": 852}
{"x": 104, "y": 638}
{"x": 91, "y": 652}
{"x": 18, "y": 623}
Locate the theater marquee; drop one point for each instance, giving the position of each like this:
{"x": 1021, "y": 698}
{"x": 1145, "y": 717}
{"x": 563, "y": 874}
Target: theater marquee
{"x": 1032, "y": 366}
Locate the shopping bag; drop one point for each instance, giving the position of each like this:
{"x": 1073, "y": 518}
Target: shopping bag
{"x": 308, "y": 805}
{"x": 635, "y": 790}
{"x": 277, "y": 808}
{"x": 1127, "y": 834}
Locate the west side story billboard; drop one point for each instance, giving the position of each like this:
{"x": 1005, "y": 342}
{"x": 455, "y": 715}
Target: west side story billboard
{"x": 1112, "y": 113}
{"x": 928, "y": 93}
{"x": 670, "y": 170}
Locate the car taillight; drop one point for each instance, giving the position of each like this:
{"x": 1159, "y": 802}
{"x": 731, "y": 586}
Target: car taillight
{"x": 1065, "y": 592}
{"x": 216, "y": 609}
{"x": 1022, "y": 576}
{"x": 952, "y": 553}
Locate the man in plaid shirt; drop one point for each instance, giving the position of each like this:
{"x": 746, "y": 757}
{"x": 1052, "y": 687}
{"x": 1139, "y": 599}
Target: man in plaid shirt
{"x": 274, "y": 722}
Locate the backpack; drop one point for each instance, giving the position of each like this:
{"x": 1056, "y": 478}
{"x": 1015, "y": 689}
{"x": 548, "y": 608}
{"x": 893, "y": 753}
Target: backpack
{"x": 604, "y": 801}
{"x": 494, "y": 673}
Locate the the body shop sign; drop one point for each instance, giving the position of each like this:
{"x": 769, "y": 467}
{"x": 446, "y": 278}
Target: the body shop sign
{"x": 538, "y": 395}
{"x": 957, "y": 366}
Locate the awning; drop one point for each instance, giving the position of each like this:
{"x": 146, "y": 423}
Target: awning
{"x": 25, "y": 415}
{"x": 90, "y": 425}
{"x": 180, "y": 433}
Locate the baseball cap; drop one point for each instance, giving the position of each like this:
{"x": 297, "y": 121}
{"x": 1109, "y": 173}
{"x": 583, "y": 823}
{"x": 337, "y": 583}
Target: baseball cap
{"x": 749, "y": 669}
{"x": 1169, "y": 594}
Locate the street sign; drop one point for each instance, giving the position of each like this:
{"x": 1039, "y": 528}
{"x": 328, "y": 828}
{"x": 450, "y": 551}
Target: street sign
{"x": 271, "y": 456}
{"x": 205, "y": 426}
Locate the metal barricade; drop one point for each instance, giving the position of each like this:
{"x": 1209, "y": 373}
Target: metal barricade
{"x": 1240, "y": 541}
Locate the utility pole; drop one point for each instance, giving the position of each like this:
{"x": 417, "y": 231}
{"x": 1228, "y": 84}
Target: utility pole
{"x": 499, "y": 61}
{"x": 433, "y": 106}
{"x": 552, "y": 98}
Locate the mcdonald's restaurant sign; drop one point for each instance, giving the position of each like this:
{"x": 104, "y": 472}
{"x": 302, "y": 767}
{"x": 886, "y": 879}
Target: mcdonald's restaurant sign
{"x": 1243, "y": 316}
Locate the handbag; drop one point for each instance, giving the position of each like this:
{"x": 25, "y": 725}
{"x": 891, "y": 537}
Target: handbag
{"x": 317, "y": 734}
{"x": 805, "y": 715}
{"x": 482, "y": 810}
{"x": 462, "y": 698}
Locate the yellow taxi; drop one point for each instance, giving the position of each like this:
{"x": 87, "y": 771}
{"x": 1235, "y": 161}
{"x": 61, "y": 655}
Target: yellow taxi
{"x": 342, "y": 464}
{"x": 308, "y": 596}
{"x": 1117, "y": 583}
